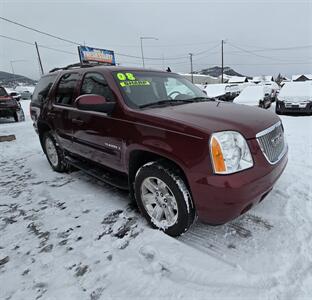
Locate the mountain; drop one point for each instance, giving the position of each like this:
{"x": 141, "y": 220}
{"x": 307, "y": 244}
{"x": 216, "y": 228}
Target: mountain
{"x": 216, "y": 72}
{"x": 11, "y": 80}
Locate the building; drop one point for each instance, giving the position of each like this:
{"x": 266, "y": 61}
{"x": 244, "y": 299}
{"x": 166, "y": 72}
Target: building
{"x": 237, "y": 79}
{"x": 301, "y": 77}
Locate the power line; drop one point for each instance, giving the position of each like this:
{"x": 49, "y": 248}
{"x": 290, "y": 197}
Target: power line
{"x": 39, "y": 31}
{"x": 32, "y": 44}
{"x": 253, "y": 53}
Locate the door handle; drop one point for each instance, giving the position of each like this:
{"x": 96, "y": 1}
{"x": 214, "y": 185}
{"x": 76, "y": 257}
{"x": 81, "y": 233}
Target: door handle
{"x": 51, "y": 114}
{"x": 77, "y": 121}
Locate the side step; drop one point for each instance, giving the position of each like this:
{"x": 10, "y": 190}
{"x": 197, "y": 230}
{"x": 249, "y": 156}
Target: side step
{"x": 114, "y": 178}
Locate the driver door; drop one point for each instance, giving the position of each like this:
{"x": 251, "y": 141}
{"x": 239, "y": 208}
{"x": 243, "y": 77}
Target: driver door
{"x": 94, "y": 135}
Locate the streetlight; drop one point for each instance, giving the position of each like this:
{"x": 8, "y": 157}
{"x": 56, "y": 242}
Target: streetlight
{"x": 145, "y": 38}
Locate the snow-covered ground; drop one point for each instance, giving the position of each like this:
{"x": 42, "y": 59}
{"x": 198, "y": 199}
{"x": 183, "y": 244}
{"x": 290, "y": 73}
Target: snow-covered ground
{"x": 68, "y": 236}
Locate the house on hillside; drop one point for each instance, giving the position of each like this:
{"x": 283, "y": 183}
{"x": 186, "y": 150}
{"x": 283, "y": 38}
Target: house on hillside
{"x": 263, "y": 78}
{"x": 301, "y": 77}
{"x": 237, "y": 79}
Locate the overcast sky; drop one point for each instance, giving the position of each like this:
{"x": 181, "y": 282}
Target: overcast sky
{"x": 251, "y": 29}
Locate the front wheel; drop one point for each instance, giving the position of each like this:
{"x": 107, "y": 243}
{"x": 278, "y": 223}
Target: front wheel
{"x": 164, "y": 198}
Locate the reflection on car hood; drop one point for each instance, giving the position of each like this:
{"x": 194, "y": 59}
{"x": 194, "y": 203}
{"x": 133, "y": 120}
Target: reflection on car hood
{"x": 216, "y": 116}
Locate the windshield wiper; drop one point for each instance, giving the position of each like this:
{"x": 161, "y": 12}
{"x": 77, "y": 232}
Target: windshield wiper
{"x": 171, "y": 102}
{"x": 195, "y": 99}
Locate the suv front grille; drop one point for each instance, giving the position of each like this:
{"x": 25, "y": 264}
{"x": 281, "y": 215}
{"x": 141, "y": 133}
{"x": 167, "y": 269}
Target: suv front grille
{"x": 272, "y": 143}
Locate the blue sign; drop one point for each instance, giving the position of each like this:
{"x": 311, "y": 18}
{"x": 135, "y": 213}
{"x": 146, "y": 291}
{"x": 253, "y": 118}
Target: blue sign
{"x": 89, "y": 54}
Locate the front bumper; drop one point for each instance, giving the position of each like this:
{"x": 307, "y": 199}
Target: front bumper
{"x": 281, "y": 107}
{"x": 221, "y": 198}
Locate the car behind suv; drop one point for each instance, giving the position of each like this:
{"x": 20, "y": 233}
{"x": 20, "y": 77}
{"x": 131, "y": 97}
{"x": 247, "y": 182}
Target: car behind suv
{"x": 10, "y": 107}
{"x": 179, "y": 153}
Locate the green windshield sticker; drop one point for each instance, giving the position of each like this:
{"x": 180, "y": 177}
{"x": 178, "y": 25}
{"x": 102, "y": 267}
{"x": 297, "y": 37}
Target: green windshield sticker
{"x": 125, "y": 76}
{"x": 135, "y": 83}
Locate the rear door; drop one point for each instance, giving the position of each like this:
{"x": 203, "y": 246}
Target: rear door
{"x": 94, "y": 133}
{"x": 59, "y": 113}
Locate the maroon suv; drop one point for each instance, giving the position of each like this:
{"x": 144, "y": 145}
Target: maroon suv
{"x": 179, "y": 153}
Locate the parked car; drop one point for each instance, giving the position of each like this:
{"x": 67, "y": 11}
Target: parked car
{"x": 15, "y": 95}
{"x": 10, "y": 107}
{"x": 254, "y": 95}
{"x": 179, "y": 153}
{"x": 295, "y": 97}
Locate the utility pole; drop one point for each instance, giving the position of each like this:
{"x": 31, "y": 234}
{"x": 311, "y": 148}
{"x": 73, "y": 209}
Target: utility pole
{"x": 141, "y": 40}
{"x": 11, "y": 62}
{"x": 191, "y": 61}
{"x": 222, "y": 66}
{"x": 39, "y": 59}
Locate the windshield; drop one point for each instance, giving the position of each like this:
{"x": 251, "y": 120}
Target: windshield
{"x": 145, "y": 88}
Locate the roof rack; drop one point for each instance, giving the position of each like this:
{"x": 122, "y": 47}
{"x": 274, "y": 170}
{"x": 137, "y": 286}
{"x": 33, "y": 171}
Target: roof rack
{"x": 78, "y": 65}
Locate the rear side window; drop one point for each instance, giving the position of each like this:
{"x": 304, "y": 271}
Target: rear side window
{"x": 3, "y": 92}
{"x": 42, "y": 89}
{"x": 95, "y": 83}
{"x": 66, "y": 88}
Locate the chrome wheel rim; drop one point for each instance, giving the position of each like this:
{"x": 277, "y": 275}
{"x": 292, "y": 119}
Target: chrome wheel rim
{"x": 51, "y": 152}
{"x": 159, "y": 202}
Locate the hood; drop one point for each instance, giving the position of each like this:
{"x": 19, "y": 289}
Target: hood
{"x": 210, "y": 117}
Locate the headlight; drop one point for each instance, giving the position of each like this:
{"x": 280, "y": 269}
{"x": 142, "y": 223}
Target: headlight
{"x": 229, "y": 152}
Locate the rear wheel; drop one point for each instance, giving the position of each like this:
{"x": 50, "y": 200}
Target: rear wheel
{"x": 164, "y": 199}
{"x": 54, "y": 153}
{"x": 19, "y": 116}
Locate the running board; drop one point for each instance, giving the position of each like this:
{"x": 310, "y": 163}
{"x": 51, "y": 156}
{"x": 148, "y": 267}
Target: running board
{"x": 116, "y": 179}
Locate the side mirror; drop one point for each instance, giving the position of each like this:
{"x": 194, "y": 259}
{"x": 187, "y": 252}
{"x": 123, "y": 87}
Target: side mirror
{"x": 93, "y": 102}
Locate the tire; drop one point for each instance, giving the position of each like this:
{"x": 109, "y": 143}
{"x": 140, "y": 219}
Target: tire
{"x": 168, "y": 198}
{"x": 278, "y": 112}
{"x": 19, "y": 116}
{"x": 54, "y": 153}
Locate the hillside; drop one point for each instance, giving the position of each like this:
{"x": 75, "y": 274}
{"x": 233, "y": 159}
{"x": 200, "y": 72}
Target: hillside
{"x": 216, "y": 71}
{"x": 9, "y": 79}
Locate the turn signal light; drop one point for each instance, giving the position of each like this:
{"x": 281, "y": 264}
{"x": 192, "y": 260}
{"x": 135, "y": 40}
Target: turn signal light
{"x": 217, "y": 156}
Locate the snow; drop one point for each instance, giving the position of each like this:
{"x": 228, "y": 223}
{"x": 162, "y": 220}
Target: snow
{"x": 25, "y": 88}
{"x": 296, "y": 92}
{"x": 68, "y": 236}
{"x": 237, "y": 79}
{"x": 215, "y": 90}
{"x": 251, "y": 95}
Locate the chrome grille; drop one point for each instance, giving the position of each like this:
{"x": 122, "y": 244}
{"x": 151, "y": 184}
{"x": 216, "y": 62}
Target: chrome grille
{"x": 272, "y": 143}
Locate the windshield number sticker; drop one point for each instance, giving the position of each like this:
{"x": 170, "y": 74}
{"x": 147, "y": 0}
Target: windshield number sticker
{"x": 125, "y": 76}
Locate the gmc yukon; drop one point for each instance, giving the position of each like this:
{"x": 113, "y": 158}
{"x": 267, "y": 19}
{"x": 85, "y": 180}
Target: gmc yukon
{"x": 180, "y": 154}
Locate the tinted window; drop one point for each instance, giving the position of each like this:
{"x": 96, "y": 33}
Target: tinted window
{"x": 3, "y": 92}
{"x": 95, "y": 83}
{"x": 66, "y": 88}
{"x": 42, "y": 89}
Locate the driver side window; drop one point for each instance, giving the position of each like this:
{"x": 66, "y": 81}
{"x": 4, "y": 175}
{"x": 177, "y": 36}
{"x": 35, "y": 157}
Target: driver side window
{"x": 95, "y": 83}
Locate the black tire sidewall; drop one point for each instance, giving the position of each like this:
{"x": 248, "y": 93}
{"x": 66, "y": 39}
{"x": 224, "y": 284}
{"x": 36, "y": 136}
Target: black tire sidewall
{"x": 185, "y": 211}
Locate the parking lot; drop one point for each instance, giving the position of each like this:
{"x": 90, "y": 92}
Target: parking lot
{"x": 70, "y": 236}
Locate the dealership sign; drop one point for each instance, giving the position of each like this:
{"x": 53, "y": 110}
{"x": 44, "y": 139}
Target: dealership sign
{"x": 89, "y": 54}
